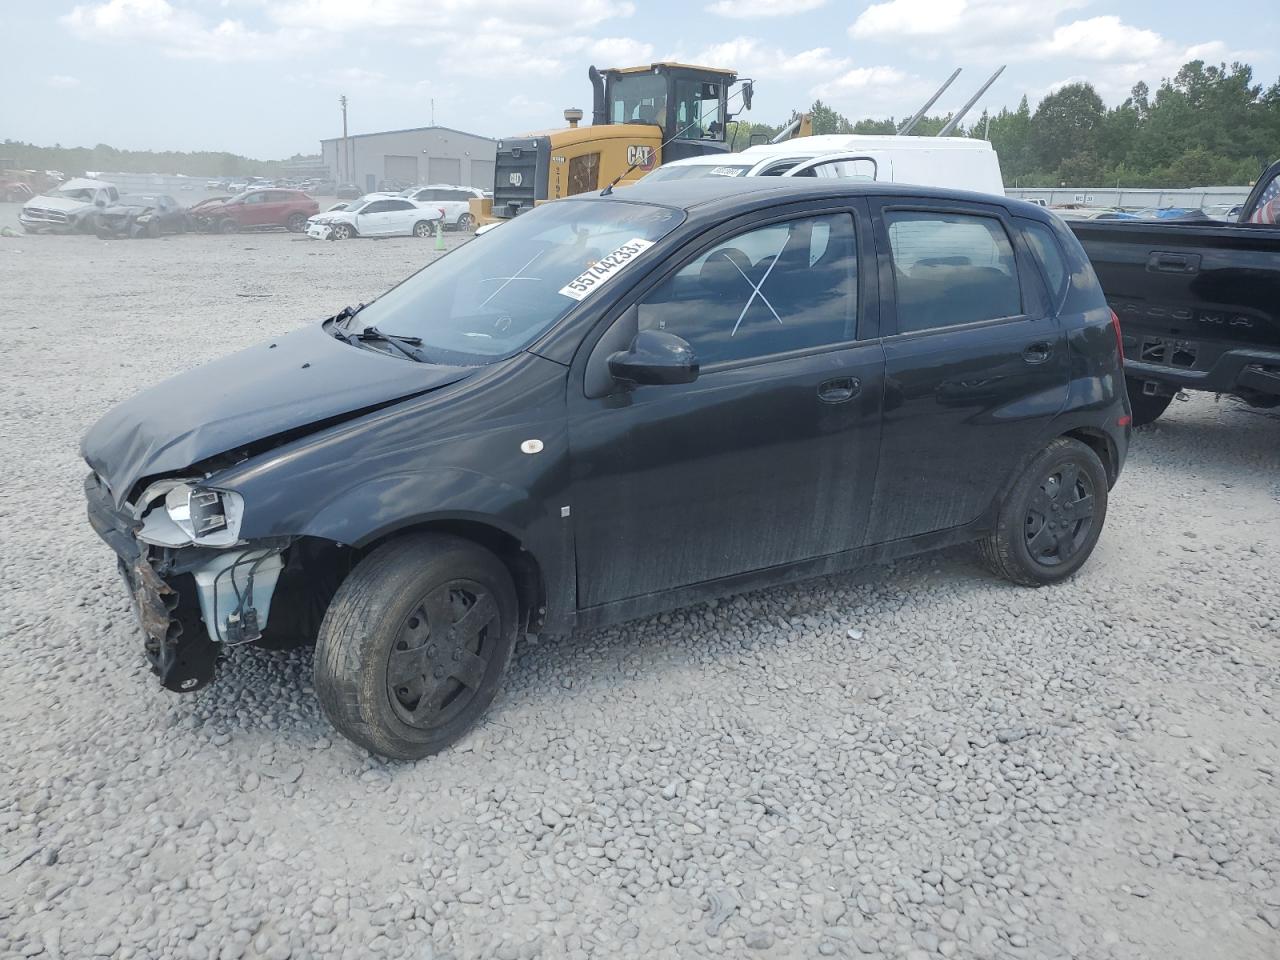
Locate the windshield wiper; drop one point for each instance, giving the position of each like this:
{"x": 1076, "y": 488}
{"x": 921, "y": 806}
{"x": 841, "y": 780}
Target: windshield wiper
{"x": 397, "y": 341}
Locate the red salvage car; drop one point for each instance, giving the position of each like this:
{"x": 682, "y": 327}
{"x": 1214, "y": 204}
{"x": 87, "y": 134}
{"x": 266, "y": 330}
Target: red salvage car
{"x": 255, "y": 209}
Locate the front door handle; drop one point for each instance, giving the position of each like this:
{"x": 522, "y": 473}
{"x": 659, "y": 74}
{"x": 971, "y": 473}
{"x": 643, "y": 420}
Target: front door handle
{"x": 1037, "y": 352}
{"x": 839, "y": 389}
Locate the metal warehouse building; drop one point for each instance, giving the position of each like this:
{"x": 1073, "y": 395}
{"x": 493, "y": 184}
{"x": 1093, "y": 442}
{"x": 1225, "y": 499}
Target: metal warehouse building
{"x": 418, "y": 155}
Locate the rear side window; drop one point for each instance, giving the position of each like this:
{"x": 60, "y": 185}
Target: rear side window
{"x": 951, "y": 268}
{"x": 786, "y": 286}
{"x": 1049, "y": 255}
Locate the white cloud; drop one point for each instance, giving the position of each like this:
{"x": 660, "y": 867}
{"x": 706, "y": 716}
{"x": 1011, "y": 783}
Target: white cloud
{"x": 181, "y": 33}
{"x": 876, "y": 91}
{"x": 908, "y": 18}
{"x": 752, "y": 58}
{"x": 62, "y": 82}
{"x": 620, "y": 52}
{"x": 754, "y": 9}
{"x": 1104, "y": 38}
{"x": 528, "y": 16}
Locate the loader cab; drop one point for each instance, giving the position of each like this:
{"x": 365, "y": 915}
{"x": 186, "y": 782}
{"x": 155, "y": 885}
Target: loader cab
{"x": 689, "y": 104}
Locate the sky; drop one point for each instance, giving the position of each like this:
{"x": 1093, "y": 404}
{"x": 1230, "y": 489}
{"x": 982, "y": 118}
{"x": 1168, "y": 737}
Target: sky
{"x": 263, "y": 77}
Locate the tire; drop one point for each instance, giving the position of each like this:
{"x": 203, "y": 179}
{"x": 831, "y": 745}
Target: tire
{"x": 1051, "y": 519}
{"x": 422, "y": 229}
{"x": 464, "y": 222}
{"x": 412, "y": 706}
{"x": 341, "y": 231}
{"x": 228, "y": 226}
{"x": 296, "y": 223}
{"x": 1146, "y": 407}
{"x": 153, "y": 229}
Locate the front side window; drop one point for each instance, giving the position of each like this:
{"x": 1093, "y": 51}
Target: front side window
{"x": 950, "y": 269}
{"x": 854, "y": 168}
{"x": 491, "y": 297}
{"x": 786, "y": 286}
{"x": 638, "y": 98}
{"x": 584, "y": 173}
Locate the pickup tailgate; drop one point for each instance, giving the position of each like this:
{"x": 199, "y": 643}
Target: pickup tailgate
{"x": 1199, "y": 304}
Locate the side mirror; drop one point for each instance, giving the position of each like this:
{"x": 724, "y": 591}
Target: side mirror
{"x": 655, "y": 357}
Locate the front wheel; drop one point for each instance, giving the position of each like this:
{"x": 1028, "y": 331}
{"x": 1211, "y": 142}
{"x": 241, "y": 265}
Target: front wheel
{"x": 414, "y": 644}
{"x": 228, "y": 226}
{"x": 1146, "y": 407}
{"x": 1052, "y": 518}
{"x": 422, "y": 229}
{"x": 341, "y": 231}
{"x": 296, "y": 223}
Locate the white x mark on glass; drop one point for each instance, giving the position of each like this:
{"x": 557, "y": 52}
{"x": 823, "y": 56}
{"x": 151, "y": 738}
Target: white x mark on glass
{"x": 510, "y": 279}
{"x": 755, "y": 292}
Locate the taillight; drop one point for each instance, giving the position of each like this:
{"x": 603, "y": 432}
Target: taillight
{"x": 1115, "y": 328}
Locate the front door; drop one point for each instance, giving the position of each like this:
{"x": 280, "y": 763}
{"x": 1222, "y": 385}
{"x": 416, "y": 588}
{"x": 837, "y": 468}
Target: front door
{"x": 976, "y": 363}
{"x": 769, "y": 456}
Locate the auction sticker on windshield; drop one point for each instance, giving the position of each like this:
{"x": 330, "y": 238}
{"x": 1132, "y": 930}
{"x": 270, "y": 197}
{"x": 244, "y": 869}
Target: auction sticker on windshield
{"x": 604, "y": 269}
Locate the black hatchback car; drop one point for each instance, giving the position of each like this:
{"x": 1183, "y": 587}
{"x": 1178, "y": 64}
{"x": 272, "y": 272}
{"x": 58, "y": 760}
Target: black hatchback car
{"x": 610, "y": 406}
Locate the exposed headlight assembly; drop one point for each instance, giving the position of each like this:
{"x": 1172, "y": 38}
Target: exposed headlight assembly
{"x": 189, "y": 514}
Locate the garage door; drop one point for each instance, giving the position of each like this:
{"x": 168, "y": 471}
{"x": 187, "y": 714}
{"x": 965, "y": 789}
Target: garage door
{"x": 482, "y": 174}
{"x": 445, "y": 171}
{"x": 400, "y": 168}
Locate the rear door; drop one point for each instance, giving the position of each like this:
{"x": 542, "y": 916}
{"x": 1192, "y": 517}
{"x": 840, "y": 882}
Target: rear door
{"x": 402, "y": 215}
{"x": 976, "y": 362}
{"x": 769, "y": 456}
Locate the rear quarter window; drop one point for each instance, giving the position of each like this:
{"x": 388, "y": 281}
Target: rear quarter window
{"x": 1049, "y": 257}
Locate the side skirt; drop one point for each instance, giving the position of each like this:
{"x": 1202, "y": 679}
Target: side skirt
{"x": 634, "y": 608}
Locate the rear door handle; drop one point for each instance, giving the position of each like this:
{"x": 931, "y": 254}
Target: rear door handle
{"x": 1037, "y": 352}
{"x": 839, "y": 389}
{"x": 1173, "y": 262}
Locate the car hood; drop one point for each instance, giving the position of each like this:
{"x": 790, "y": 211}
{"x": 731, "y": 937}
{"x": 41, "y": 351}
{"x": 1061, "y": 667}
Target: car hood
{"x": 65, "y": 204}
{"x": 301, "y": 380}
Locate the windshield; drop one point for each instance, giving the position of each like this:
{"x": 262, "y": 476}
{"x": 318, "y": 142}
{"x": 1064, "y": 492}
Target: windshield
{"x": 355, "y": 206}
{"x": 697, "y": 170}
{"x": 78, "y": 193}
{"x": 493, "y": 295}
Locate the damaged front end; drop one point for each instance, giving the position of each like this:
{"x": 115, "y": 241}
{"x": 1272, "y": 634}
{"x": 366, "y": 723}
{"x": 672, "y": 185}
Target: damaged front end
{"x": 195, "y": 587}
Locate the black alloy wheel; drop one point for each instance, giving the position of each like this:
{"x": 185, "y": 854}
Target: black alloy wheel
{"x": 441, "y": 657}
{"x": 1050, "y": 518}
{"x": 1060, "y": 516}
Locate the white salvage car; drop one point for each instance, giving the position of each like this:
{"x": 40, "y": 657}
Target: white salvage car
{"x": 375, "y": 217}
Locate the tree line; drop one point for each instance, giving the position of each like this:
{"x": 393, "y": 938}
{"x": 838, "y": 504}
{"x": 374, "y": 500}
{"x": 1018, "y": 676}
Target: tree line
{"x": 1207, "y": 125}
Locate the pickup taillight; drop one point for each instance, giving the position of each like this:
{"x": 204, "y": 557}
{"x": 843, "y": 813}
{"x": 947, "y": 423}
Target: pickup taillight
{"x": 1115, "y": 328}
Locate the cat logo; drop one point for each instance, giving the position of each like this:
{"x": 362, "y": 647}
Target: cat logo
{"x": 640, "y": 156}
{"x": 515, "y": 179}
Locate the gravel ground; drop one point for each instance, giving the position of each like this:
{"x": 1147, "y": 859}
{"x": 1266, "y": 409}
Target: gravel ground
{"x": 914, "y": 761}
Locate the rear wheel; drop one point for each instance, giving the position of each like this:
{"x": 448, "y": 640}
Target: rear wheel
{"x": 1146, "y": 407}
{"x": 422, "y": 229}
{"x": 414, "y": 644}
{"x": 465, "y": 221}
{"x": 1052, "y": 518}
{"x": 296, "y": 222}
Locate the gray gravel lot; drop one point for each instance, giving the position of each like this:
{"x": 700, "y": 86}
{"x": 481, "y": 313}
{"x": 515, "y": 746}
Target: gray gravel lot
{"x": 914, "y": 761}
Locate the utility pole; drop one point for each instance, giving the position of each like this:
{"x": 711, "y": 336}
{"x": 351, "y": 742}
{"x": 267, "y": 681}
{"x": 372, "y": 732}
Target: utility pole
{"x": 342, "y": 102}
{"x": 433, "y": 111}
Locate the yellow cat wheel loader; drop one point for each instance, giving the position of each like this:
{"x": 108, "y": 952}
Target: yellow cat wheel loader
{"x": 640, "y": 117}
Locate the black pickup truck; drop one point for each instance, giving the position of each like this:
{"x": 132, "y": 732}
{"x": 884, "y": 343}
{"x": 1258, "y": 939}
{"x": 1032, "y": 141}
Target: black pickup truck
{"x": 1198, "y": 301}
